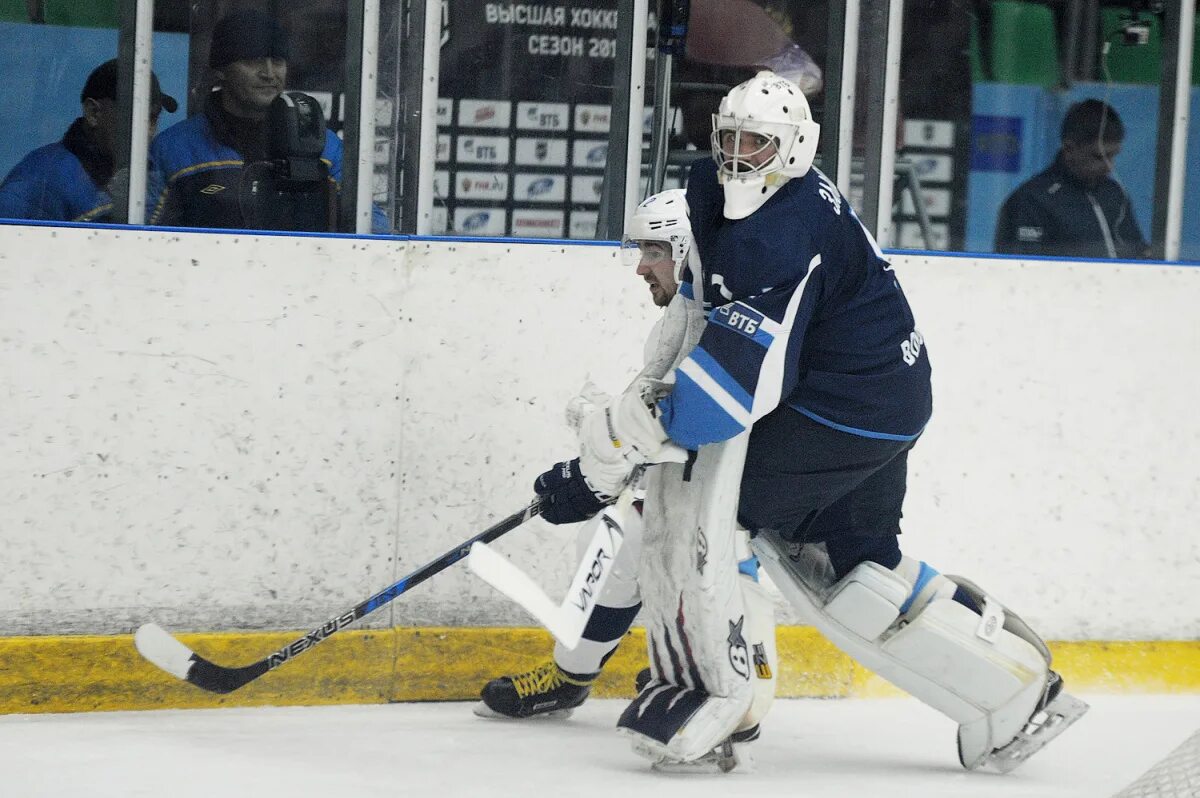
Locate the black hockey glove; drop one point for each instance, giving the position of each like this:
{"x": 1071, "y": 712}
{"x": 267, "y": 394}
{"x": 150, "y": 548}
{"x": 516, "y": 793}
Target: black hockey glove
{"x": 567, "y": 498}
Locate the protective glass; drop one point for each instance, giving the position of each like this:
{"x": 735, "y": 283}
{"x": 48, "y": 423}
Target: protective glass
{"x": 652, "y": 253}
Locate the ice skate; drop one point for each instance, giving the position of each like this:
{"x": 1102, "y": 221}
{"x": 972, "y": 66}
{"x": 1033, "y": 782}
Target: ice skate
{"x": 1054, "y": 713}
{"x": 732, "y": 754}
{"x": 546, "y": 691}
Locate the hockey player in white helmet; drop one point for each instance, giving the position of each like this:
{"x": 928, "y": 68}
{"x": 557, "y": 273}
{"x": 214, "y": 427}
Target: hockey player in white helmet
{"x": 656, "y": 245}
{"x": 808, "y": 386}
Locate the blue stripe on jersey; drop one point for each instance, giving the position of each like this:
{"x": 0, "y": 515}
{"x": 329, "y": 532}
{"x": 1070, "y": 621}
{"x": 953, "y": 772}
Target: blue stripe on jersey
{"x": 709, "y": 365}
{"x": 687, "y": 291}
{"x": 705, "y": 422}
{"x": 862, "y": 433}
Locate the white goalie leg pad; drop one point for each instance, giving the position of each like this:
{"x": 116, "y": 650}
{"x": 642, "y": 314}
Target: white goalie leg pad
{"x": 904, "y": 626}
{"x": 693, "y": 607}
{"x": 760, "y": 635}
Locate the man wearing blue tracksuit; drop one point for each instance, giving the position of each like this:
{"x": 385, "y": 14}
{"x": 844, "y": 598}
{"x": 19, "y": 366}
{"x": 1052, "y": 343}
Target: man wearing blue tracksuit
{"x": 199, "y": 166}
{"x": 68, "y": 181}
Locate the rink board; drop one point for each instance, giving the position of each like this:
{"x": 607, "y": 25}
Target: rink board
{"x": 249, "y": 433}
{"x": 94, "y": 673}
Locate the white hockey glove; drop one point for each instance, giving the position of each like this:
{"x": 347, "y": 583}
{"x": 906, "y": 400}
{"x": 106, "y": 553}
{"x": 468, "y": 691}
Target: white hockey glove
{"x": 589, "y": 399}
{"x": 622, "y": 434}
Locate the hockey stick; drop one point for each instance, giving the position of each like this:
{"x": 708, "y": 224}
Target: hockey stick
{"x": 565, "y": 621}
{"x": 163, "y": 650}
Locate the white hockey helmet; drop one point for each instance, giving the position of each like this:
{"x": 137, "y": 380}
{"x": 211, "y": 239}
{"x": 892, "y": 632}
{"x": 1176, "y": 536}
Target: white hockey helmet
{"x": 660, "y": 217}
{"x": 771, "y": 114}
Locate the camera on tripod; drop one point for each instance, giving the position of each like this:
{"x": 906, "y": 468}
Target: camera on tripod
{"x": 292, "y": 188}
{"x": 1135, "y": 30}
{"x": 297, "y": 137}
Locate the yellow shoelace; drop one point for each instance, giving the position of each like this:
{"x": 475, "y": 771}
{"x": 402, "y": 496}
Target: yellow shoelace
{"x": 542, "y": 679}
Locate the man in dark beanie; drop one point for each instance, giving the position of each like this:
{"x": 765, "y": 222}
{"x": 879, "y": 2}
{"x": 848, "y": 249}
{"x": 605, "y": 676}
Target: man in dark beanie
{"x": 200, "y": 164}
{"x": 69, "y": 180}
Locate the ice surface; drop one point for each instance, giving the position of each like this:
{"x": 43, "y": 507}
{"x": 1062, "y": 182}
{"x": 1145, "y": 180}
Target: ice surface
{"x": 885, "y": 747}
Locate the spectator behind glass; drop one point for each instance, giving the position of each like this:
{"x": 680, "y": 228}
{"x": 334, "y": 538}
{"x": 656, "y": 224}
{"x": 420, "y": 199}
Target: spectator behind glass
{"x": 1075, "y": 208}
{"x": 69, "y": 181}
{"x": 199, "y": 164}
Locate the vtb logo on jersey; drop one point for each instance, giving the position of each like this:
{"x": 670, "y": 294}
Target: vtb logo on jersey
{"x": 740, "y": 318}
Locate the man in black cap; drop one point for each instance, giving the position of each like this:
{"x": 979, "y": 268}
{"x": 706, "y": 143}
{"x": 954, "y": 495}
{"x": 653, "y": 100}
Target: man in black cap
{"x": 70, "y": 180}
{"x": 200, "y": 165}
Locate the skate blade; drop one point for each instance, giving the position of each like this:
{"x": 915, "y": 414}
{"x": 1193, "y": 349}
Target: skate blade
{"x": 482, "y": 710}
{"x": 724, "y": 759}
{"x": 1052, "y": 721}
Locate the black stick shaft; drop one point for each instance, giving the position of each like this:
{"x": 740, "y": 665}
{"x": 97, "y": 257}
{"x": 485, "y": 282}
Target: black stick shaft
{"x": 219, "y": 679}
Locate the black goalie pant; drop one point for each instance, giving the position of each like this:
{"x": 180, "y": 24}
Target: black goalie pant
{"x": 813, "y": 483}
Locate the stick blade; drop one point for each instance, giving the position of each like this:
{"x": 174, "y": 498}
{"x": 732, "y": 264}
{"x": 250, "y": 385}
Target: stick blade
{"x": 495, "y": 569}
{"x": 163, "y": 650}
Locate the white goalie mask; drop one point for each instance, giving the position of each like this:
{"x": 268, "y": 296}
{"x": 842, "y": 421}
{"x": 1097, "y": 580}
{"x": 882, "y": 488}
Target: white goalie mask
{"x": 660, "y": 217}
{"x": 763, "y": 135}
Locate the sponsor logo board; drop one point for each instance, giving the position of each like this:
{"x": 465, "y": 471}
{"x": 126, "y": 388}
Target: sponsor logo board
{"x": 592, "y": 118}
{"x": 539, "y": 188}
{"x": 482, "y": 149}
{"x": 543, "y": 116}
{"x": 589, "y": 153}
{"x": 480, "y": 221}
{"x": 585, "y": 189}
{"x": 481, "y": 185}
{"x": 928, "y": 133}
{"x": 937, "y": 202}
{"x": 583, "y": 224}
{"x": 530, "y": 223}
{"x": 541, "y": 152}
{"x": 484, "y": 113}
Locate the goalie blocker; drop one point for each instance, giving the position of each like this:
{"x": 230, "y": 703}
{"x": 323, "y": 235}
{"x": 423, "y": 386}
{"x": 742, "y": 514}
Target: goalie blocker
{"x": 989, "y": 672}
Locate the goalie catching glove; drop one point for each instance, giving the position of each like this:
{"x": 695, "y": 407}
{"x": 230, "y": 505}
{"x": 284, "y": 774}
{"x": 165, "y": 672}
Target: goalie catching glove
{"x": 619, "y": 435}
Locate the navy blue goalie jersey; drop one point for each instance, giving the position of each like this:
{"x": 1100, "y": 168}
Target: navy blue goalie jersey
{"x": 804, "y": 311}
